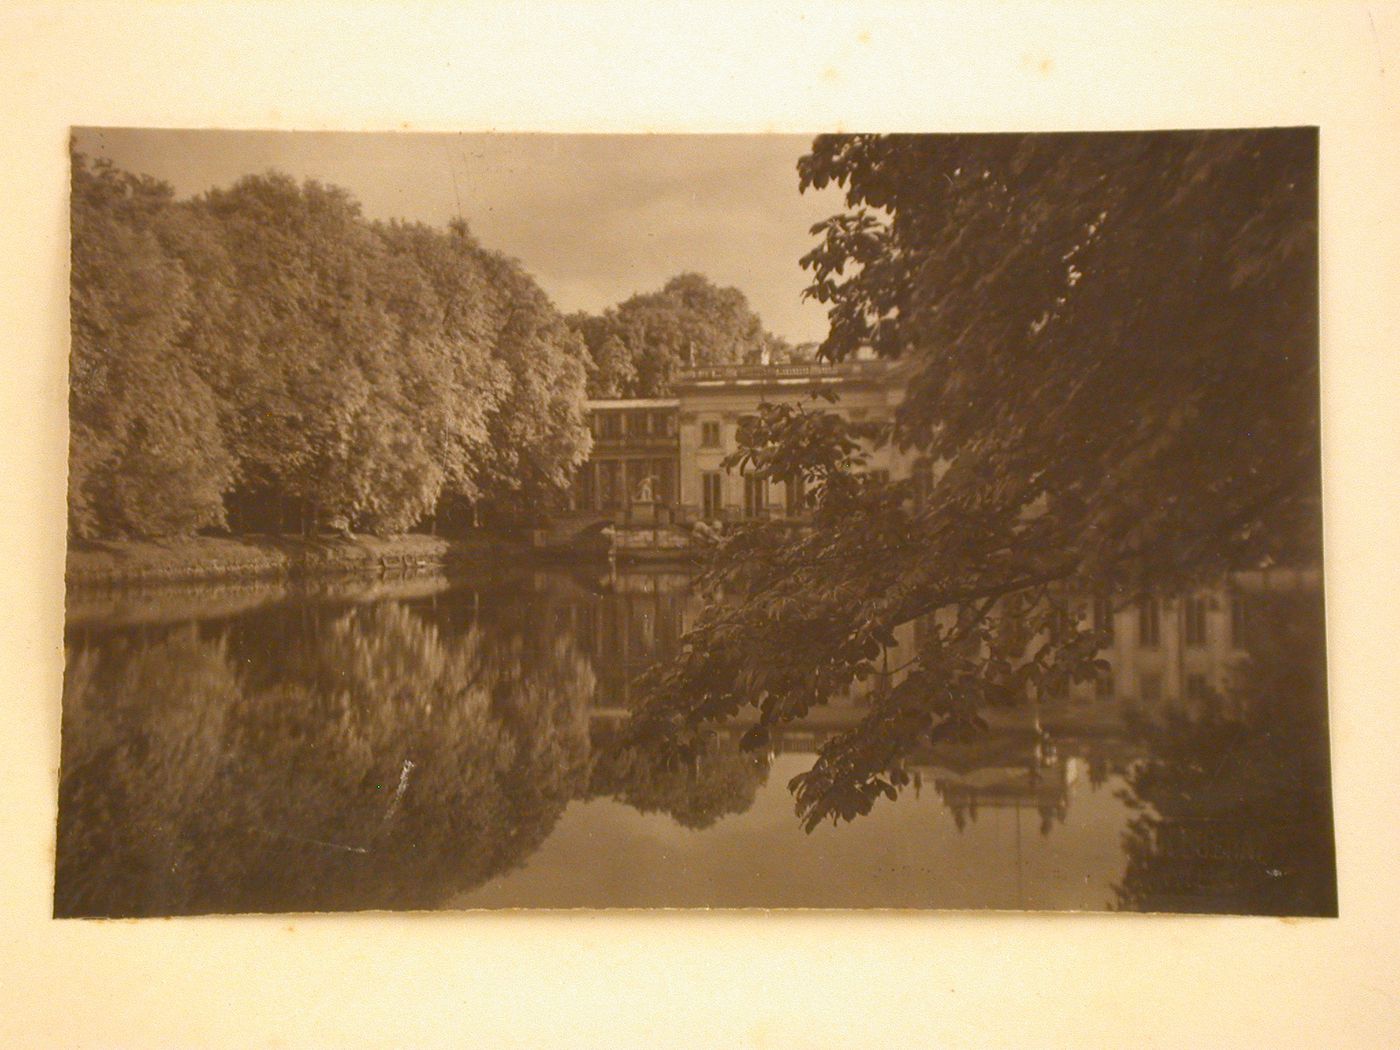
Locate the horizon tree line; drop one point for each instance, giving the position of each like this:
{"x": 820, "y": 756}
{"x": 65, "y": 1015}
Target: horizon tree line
{"x": 262, "y": 358}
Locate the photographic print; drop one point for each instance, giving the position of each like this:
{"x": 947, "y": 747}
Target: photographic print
{"x": 464, "y": 521}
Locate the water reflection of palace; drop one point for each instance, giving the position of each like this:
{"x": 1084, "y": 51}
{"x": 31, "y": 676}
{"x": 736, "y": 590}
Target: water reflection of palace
{"x": 1003, "y": 772}
{"x": 1174, "y": 651}
{"x": 1181, "y": 651}
{"x": 625, "y": 627}
{"x": 355, "y": 744}
{"x": 626, "y": 622}
{"x": 1168, "y": 653}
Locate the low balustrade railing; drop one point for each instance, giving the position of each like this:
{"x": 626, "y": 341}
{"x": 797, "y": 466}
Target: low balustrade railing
{"x": 802, "y": 370}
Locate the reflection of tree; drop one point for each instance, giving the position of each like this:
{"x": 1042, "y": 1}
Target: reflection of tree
{"x": 720, "y": 781}
{"x": 187, "y": 790}
{"x": 315, "y": 757}
{"x": 1235, "y": 812}
{"x": 142, "y": 743}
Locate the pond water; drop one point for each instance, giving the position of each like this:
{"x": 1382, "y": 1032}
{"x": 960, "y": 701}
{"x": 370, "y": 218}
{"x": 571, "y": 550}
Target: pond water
{"x": 430, "y": 743}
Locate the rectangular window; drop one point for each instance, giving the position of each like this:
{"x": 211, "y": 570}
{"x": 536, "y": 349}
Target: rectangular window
{"x": 609, "y": 484}
{"x": 611, "y": 635}
{"x": 1150, "y": 623}
{"x": 612, "y": 425}
{"x": 637, "y": 472}
{"x": 796, "y": 496}
{"x": 1196, "y": 621}
{"x": 709, "y": 434}
{"x": 1103, "y": 618}
{"x": 664, "y": 489}
{"x": 711, "y": 494}
{"x": 636, "y": 423}
{"x": 755, "y": 496}
{"x": 583, "y": 488}
{"x": 1103, "y": 685}
{"x": 586, "y": 629}
{"x": 1014, "y": 631}
{"x": 1151, "y": 691}
{"x": 641, "y": 633}
{"x": 1239, "y": 621}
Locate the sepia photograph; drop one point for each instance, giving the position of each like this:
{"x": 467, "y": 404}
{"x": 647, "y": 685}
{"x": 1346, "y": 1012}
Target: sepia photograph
{"x": 481, "y": 521}
{"x": 767, "y": 525}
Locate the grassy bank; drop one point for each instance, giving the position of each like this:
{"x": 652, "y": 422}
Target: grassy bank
{"x": 271, "y": 557}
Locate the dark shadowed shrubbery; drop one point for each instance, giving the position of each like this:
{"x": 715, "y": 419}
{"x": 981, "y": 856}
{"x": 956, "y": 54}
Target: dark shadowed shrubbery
{"x": 1110, "y": 344}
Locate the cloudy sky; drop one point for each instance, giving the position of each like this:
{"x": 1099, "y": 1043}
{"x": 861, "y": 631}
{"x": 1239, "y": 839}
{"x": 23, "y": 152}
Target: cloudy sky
{"x": 594, "y": 218}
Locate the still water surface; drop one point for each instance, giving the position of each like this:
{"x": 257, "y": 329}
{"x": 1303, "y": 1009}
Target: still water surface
{"x": 429, "y": 744}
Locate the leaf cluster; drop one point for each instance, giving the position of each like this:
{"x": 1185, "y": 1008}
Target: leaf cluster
{"x": 636, "y": 347}
{"x": 1108, "y": 350}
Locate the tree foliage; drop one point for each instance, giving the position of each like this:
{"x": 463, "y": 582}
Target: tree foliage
{"x": 720, "y": 781}
{"x": 265, "y": 349}
{"x": 1109, "y": 350}
{"x": 1233, "y": 807}
{"x": 385, "y": 764}
{"x": 637, "y": 346}
{"x": 146, "y": 451}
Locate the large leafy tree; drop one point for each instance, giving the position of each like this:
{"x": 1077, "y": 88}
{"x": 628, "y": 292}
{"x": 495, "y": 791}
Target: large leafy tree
{"x": 146, "y": 454}
{"x": 335, "y": 408}
{"x": 611, "y": 370}
{"x": 498, "y": 385}
{"x": 539, "y": 432}
{"x": 637, "y": 346}
{"x": 1109, "y": 345}
{"x": 264, "y": 348}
